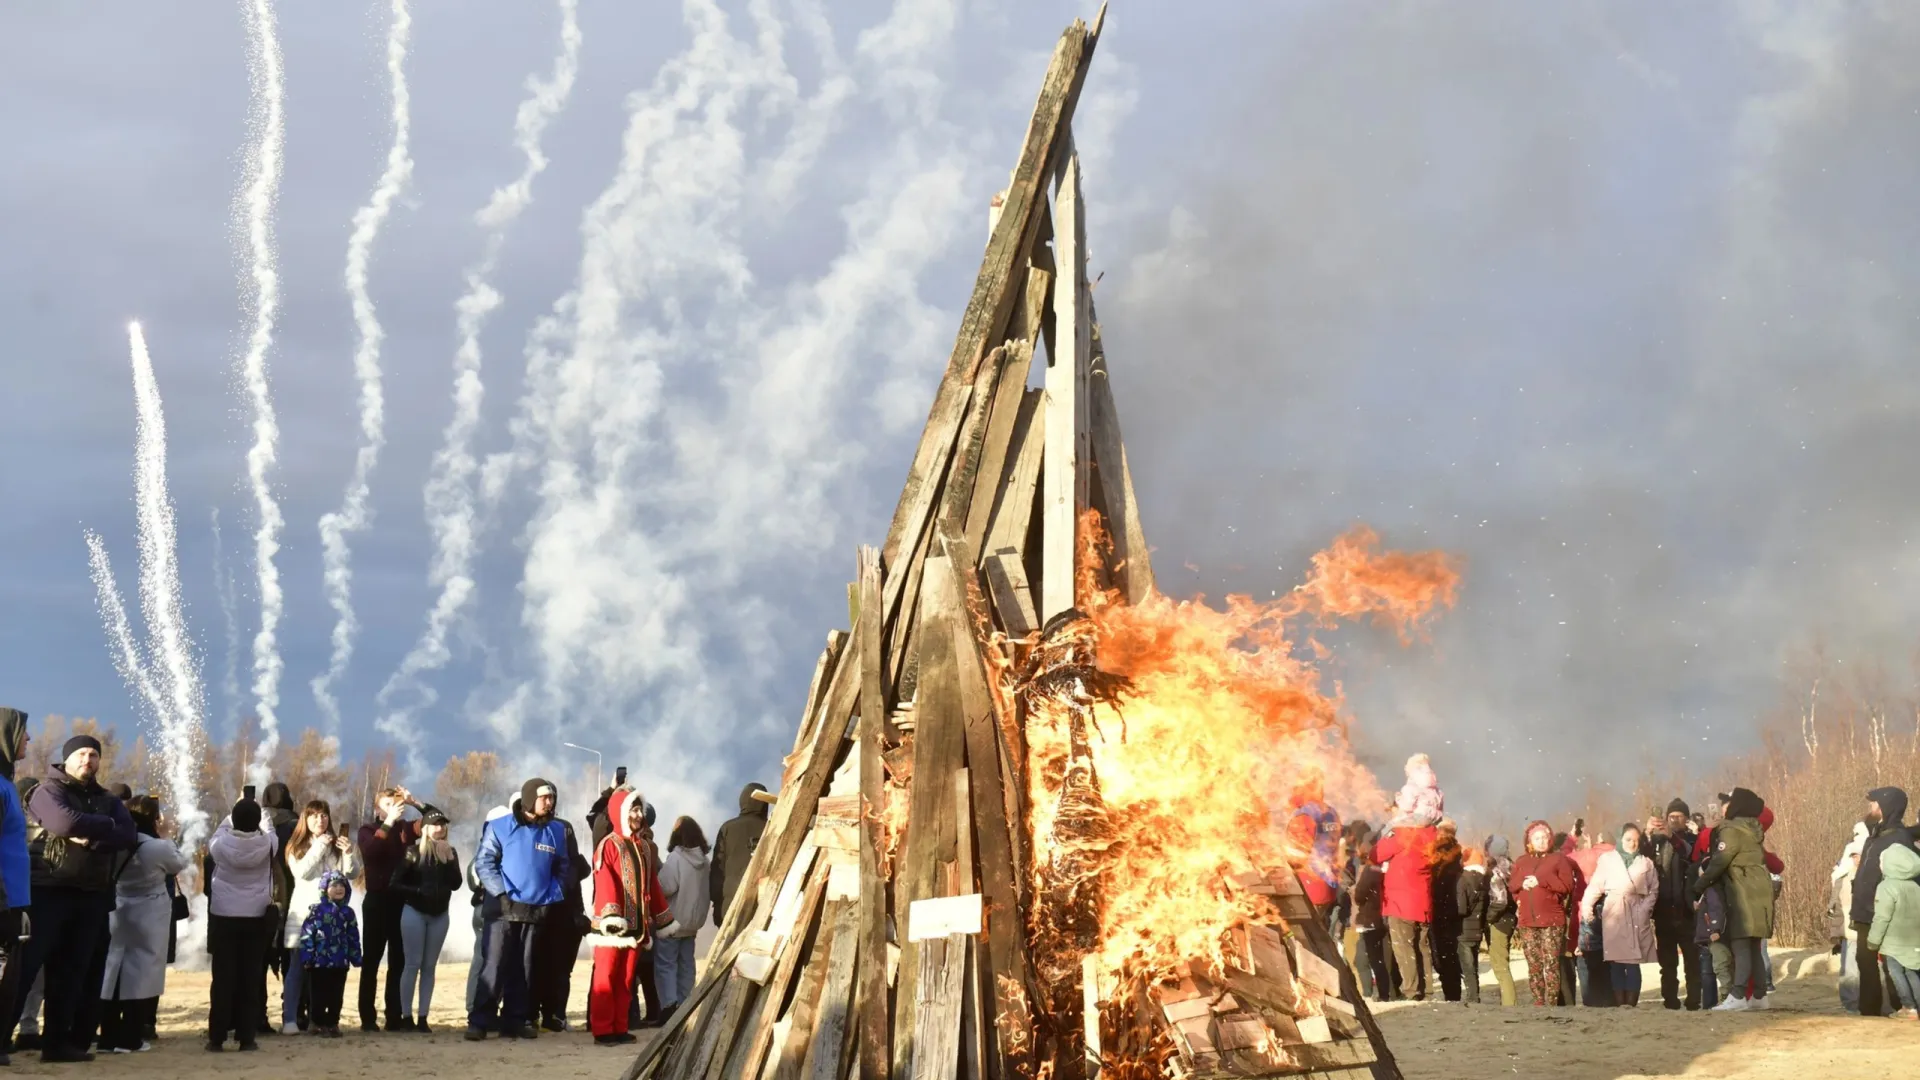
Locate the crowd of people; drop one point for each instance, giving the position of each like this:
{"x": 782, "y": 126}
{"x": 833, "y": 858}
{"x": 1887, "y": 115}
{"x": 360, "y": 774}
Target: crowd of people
{"x": 91, "y": 907}
{"x": 1417, "y": 909}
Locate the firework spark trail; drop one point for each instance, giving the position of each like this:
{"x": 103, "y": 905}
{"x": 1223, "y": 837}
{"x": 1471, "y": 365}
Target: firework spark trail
{"x": 230, "y": 619}
{"x": 127, "y": 659}
{"x": 256, "y": 204}
{"x": 450, "y": 493}
{"x": 355, "y": 514}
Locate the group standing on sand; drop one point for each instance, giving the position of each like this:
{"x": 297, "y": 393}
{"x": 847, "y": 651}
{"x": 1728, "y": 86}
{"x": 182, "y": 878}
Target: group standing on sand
{"x": 1416, "y": 909}
{"x": 90, "y": 905}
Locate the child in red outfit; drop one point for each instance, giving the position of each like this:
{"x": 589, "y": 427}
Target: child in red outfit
{"x": 627, "y": 903}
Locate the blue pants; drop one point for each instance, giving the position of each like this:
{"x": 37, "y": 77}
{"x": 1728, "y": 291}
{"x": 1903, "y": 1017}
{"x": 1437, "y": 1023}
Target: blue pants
{"x": 673, "y": 970}
{"x": 1626, "y": 978}
{"x": 503, "y": 1002}
{"x": 1906, "y": 982}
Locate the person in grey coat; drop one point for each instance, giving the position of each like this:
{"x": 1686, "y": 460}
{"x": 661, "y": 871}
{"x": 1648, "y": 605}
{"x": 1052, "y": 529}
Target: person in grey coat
{"x": 136, "y": 972}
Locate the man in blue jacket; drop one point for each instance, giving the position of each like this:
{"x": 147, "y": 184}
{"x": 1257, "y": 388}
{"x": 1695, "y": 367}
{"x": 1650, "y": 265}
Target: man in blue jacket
{"x": 522, "y": 865}
{"x": 16, "y": 868}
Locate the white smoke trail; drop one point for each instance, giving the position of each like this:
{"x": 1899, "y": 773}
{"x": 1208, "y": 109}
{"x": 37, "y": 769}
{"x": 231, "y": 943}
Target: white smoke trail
{"x": 451, "y": 512}
{"x": 178, "y": 667}
{"x": 127, "y": 657}
{"x": 256, "y": 204}
{"x": 355, "y": 514}
{"x": 230, "y": 620}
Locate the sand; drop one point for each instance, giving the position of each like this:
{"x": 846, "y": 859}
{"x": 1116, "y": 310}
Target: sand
{"x": 1806, "y": 1037}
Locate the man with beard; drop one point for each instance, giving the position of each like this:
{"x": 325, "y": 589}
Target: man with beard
{"x": 85, "y": 831}
{"x": 522, "y": 864}
{"x": 1886, "y": 827}
{"x": 1672, "y": 840}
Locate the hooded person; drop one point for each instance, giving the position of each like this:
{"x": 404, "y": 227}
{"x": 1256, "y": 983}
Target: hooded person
{"x": 16, "y": 866}
{"x": 522, "y": 863}
{"x": 628, "y": 908}
{"x": 1543, "y": 884}
{"x": 329, "y": 946}
{"x": 238, "y": 900}
{"x": 77, "y": 834}
{"x": 684, "y": 882}
{"x": 1886, "y": 827}
{"x": 136, "y": 973}
{"x": 1840, "y": 932}
{"x": 1739, "y": 865}
{"x": 733, "y": 848}
{"x": 1894, "y": 933}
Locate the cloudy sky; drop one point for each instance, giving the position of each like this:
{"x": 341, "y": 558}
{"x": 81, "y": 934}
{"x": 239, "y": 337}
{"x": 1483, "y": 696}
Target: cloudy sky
{"x": 1616, "y": 301}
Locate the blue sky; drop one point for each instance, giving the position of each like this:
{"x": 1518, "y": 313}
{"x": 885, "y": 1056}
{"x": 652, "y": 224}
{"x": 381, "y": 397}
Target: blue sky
{"x": 1615, "y": 301}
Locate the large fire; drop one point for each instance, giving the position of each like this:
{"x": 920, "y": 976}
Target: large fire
{"x": 1172, "y": 733}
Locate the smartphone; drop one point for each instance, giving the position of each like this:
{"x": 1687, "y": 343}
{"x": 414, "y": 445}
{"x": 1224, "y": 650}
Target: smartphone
{"x": 247, "y": 793}
{"x": 620, "y": 776}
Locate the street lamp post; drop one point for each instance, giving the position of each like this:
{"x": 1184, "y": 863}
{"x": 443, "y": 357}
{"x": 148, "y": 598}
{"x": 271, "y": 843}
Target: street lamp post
{"x": 598, "y": 761}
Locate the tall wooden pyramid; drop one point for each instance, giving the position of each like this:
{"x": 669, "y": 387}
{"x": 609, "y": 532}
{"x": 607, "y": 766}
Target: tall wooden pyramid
{"x": 883, "y": 932}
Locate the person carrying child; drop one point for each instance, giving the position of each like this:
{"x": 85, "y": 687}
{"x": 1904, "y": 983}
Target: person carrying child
{"x": 329, "y": 946}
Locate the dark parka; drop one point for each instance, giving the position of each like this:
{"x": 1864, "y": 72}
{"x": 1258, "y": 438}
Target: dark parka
{"x": 1673, "y": 862}
{"x": 733, "y": 848}
{"x": 1470, "y": 894}
{"x": 1890, "y": 831}
{"x": 1738, "y": 865}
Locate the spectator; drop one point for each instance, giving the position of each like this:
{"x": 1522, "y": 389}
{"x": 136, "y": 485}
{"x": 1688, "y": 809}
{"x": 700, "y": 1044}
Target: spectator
{"x": 1846, "y": 943}
{"x": 1586, "y": 933}
{"x": 1406, "y": 854}
{"x": 82, "y": 833}
{"x": 1670, "y": 843}
{"x": 16, "y": 866}
{"x": 1738, "y": 864}
{"x": 238, "y": 899}
{"x": 1502, "y": 915}
{"x": 313, "y": 851}
{"x": 329, "y": 945}
{"x": 485, "y": 910}
{"x": 1313, "y": 839}
{"x": 685, "y": 883}
{"x": 1624, "y": 890}
{"x": 1547, "y": 881}
{"x": 733, "y": 848}
{"x": 136, "y": 972}
{"x": 1470, "y": 899}
{"x": 1374, "y": 966}
{"x": 1885, "y": 820}
{"x": 521, "y": 864}
{"x": 560, "y": 938}
{"x": 277, "y": 817}
{"x": 628, "y": 908}
{"x": 425, "y": 881}
{"x": 1895, "y": 931}
{"x": 382, "y": 845}
{"x": 1445, "y": 922}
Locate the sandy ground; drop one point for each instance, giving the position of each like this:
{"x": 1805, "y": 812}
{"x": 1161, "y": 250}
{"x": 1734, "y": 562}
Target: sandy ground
{"x": 1805, "y": 1037}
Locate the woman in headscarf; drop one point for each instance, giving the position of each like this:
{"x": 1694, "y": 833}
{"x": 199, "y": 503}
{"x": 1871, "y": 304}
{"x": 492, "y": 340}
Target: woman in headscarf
{"x": 1625, "y": 888}
{"x": 627, "y": 903}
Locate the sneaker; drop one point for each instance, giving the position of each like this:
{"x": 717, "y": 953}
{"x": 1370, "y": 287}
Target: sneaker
{"x": 290, "y": 1029}
{"x": 474, "y": 1034}
{"x": 1732, "y": 1004}
{"x": 1759, "y": 1004}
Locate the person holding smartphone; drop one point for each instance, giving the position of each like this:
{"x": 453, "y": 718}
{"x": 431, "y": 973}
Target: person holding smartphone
{"x": 315, "y": 850}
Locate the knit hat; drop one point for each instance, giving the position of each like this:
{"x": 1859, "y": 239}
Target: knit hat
{"x": 531, "y": 791}
{"x": 1679, "y": 806}
{"x": 77, "y": 744}
{"x": 246, "y": 816}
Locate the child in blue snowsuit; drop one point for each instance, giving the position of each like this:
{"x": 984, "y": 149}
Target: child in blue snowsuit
{"x": 329, "y": 946}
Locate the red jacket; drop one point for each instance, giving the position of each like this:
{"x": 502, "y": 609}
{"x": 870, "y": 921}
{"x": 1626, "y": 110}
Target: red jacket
{"x": 1409, "y": 887}
{"x": 624, "y": 883}
{"x": 1556, "y": 884}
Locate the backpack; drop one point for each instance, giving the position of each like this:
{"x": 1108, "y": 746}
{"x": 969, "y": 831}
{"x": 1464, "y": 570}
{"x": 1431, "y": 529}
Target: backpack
{"x": 1497, "y": 895}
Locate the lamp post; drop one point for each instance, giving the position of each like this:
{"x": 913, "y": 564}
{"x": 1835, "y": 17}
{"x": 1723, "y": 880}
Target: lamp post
{"x": 598, "y": 761}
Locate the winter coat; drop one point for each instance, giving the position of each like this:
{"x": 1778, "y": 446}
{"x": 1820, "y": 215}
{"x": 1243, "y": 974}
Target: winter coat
{"x": 1672, "y": 864}
{"x": 63, "y": 809}
{"x": 1710, "y": 920}
{"x": 1501, "y": 909}
{"x": 1313, "y": 828}
{"x": 1369, "y": 890}
{"x": 16, "y": 863}
{"x": 685, "y": 880}
{"x": 1738, "y": 865}
{"x": 624, "y": 884}
{"x": 1840, "y": 901}
{"x": 1446, "y": 895}
{"x": 1895, "y": 931}
{"x": 276, "y": 813}
{"x": 329, "y": 934}
{"x": 426, "y": 882}
{"x": 733, "y": 848}
{"x": 1889, "y": 833}
{"x": 1551, "y": 898}
{"x": 523, "y": 862}
{"x": 1626, "y": 897}
{"x": 1409, "y": 884}
{"x": 243, "y": 889}
{"x": 138, "y": 928}
{"x": 308, "y": 871}
{"x": 1470, "y": 895}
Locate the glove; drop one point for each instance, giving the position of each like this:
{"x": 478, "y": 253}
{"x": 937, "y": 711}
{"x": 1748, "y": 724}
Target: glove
{"x": 613, "y": 926}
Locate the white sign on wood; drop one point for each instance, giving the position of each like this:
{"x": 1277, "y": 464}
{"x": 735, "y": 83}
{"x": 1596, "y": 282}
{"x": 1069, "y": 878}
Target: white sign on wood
{"x": 938, "y": 917}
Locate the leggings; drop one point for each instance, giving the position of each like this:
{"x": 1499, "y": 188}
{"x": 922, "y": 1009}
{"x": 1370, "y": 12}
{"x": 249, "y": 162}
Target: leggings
{"x": 1542, "y": 946}
{"x": 1747, "y": 967}
{"x": 421, "y": 936}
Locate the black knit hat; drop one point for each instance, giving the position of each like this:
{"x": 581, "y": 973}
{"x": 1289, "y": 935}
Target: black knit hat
{"x": 1679, "y": 806}
{"x": 246, "y": 816}
{"x": 77, "y": 744}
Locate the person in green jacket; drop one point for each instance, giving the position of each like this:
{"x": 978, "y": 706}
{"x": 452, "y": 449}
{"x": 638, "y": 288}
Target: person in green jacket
{"x": 1895, "y": 933}
{"x": 1738, "y": 864}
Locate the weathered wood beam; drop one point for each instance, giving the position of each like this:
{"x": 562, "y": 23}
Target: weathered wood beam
{"x": 760, "y": 1034}
{"x": 827, "y": 1053}
{"x": 1013, "y": 511}
{"x": 1064, "y": 481}
{"x": 942, "y": 976}
{"x": 997, "y": 442}
{"x": 873, "y": 1030}
{"x": 1133, "y": 561}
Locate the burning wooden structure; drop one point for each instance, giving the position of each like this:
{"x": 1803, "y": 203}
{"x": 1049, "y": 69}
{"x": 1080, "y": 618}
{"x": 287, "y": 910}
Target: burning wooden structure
{"x": 931, "y": 883}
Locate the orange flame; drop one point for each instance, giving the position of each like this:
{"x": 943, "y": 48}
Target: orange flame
{"x": 1223, "y": 720}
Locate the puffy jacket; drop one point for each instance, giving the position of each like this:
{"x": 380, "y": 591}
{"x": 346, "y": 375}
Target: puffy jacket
{"x": 1470, "y": 894}
{"x": 63, "y": 809}
{"x": 685, "y": 881}
{"x": 524, "y": 863}
{"x": 244, "y": 886}
{"x": 16, "y": 863}
{"x": 733, "y": 848}
{"x": 1738, "y": 865}
{"x": 1895, "y": 931}
{"x": 1407, "y": 853}
{"x": 1891, "y": 832}
{"x": 1672, "y": 858}
{"x": 329, "y": 934}
{"x": 307, "y": 871}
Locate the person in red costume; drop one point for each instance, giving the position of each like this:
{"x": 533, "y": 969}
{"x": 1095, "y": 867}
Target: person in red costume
{"x": 627, "y": 903}
{"x": 1313, "y": 838}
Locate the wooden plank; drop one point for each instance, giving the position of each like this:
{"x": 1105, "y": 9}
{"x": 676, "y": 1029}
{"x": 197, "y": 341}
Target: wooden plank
{"x": 939, "y": 742}
{"x": 1090, "y": 1014}
{"x": 716, "y": 1045}
{"x": 997, "y": 441}
{"x": 1013, "y": 511}
{"x": 994, "y": 287}
{"x": 806, "y": 1006}
{"x": 1316, "y": 936}
{"x": 1012, "y": 596}
{"x": 1064, "y": 472}
{"x": 956, "y": 495}
{"x": 826, "y": 1056}
{"x": 761, "y": 1032}
{"x": 873, "y": 1031}
{"x": 936, "y": 1038}
{"x": 1132, "y": 559}
{"x": 822, "y": 678}
{"x": 649, "y": 1058}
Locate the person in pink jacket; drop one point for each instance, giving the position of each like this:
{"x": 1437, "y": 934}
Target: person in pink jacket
{"x": 1625, "y": 887}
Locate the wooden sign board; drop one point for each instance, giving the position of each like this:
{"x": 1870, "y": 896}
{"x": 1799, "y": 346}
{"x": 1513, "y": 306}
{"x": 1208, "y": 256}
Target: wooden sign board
{"x": 944, "y": 915}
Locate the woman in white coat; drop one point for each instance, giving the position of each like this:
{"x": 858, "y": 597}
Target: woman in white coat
{"x": 314, "y": 851}
{"x": 1628, "y": 883}
{"x": 136, "y": 973}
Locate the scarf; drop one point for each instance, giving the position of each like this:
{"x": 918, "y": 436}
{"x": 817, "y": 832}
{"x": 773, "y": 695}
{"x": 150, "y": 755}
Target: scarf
{"x": 1627, "y": 857}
